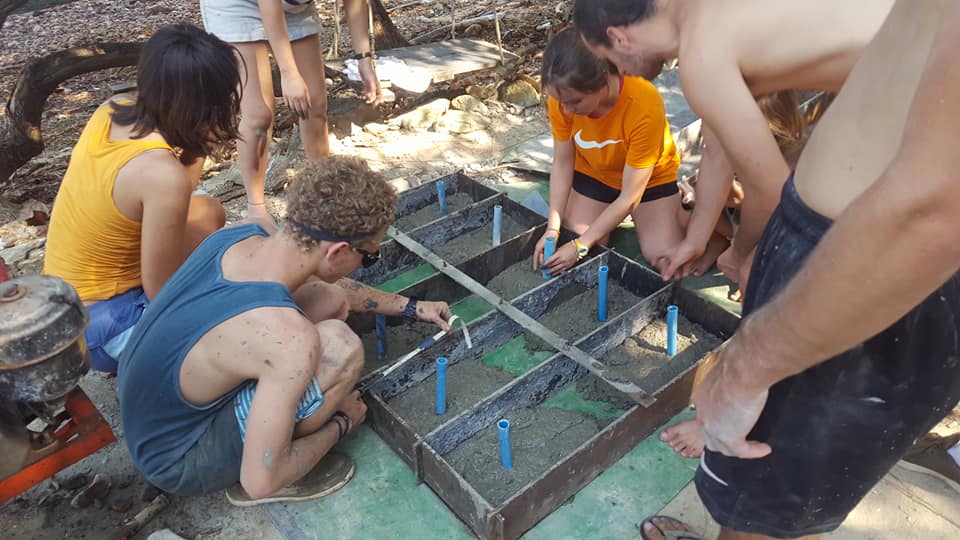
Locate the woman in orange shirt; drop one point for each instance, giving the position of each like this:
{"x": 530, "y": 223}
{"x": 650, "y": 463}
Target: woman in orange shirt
{"x": 125, "y": 217}
{"x": 613, "y": 156}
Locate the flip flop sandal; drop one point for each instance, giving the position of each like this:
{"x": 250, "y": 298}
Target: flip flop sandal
{"x": 668, "y": 534}
{"x": 332, "y": 473}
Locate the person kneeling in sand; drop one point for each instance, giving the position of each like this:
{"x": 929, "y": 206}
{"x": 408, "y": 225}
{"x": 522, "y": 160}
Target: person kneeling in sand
{"x": 242, "y": 369}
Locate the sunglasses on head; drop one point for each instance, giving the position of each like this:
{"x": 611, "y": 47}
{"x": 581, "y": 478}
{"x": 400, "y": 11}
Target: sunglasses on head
{"x": 369, "y": 258}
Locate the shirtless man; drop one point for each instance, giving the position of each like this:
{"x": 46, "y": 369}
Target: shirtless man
{"x": 727, "y": 60}
{"x": 849, "y": 348}
{"x": 229, "y": 377}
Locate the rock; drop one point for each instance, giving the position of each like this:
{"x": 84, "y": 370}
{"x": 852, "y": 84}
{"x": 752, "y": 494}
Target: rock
{"x": 520, "y": 93}
{"x": 374, "y": 128}
{"x": 24, "y": 258}
{"x": 122, "y": 506}
{"x": 165, "y": 534}
{"x": 74, "y": 482}
{"x": 482, "y": 91}
{"x": 473, "y": 30}
{"x": 97, "y": 490}
{"x": 422, "y": 117}
{"x": 224, "y": 182}
{"x": 159, "y": 10}
{"x": 399, "y": 184}
{"x": 468, "y": 103}
{"x": 34, "y": 213}
{"x": 278, "y": 174}
{"x": 462, "y": 122}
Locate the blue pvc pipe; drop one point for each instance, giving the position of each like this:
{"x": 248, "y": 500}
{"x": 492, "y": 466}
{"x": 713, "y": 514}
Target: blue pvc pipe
{"x": 506, "y": 453}
{"x": 441, "y": 386}
{"x": 672, "y": 330}
{"x": 381, "y": 337}
{"x": 442, "y": 195}
{"x": 497, "y": 224}
{"x": 549, "y": 248}
{"x": 602, "y": 301}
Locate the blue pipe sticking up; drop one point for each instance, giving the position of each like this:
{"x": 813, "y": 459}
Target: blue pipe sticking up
{"x": 497, "y": 224}
{"x": 441, "y": 386}
{"x": 442, "y": 195}
{"x": 672, "y": 330}
{"x": 549, "y": 248}
{"x": 506, "y": 453}
{"x": 602, "y": 301}
{"x": 381, "y": 337}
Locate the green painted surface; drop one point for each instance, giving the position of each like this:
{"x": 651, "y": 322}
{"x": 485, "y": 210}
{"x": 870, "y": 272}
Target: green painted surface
{"x": 616, "y": 502}
{"x": 382, "y": 501}
{"x": 569, "y": 399}
{"x": 515, "y": 358}
{"x": 470, "y": 308}
{"x": 408, "y": 278}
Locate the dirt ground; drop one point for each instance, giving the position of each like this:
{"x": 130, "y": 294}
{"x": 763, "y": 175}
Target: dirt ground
{"x": 407, "y": 156}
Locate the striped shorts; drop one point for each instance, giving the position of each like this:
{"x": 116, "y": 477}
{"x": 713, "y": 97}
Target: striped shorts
{"x": 310, "y": 402}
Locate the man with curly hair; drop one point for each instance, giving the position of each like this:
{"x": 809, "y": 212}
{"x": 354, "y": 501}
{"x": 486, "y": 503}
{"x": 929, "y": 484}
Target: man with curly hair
{"x": 242, "y": 369}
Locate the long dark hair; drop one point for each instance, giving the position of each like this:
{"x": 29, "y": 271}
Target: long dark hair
{"x": 188, "y": 90}
{"x": 568, "y": 63}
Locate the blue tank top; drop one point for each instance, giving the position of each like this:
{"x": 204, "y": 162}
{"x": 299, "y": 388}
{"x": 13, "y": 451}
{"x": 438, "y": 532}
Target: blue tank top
{"x": 159, "y": 424}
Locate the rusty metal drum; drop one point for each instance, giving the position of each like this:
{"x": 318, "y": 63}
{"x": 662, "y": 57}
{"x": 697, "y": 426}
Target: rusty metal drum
{"x": 42, "y": 351}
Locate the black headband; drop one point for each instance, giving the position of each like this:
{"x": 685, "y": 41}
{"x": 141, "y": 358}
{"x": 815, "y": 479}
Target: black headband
{"x": 325, "y": 236}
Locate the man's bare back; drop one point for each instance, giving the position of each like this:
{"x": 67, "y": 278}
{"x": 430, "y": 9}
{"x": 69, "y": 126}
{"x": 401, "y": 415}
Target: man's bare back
{"x": 861, "y": 133}
{"x": 833, "y": 36}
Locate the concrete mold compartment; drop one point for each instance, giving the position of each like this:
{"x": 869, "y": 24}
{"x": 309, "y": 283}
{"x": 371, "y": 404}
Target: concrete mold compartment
{"x": 567, "y": 425}
{"x": 420, "y": 205}
{"x": 580, "y": 393}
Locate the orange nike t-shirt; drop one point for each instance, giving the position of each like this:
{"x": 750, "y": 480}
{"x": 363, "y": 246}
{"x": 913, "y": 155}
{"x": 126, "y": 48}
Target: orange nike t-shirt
{"x": 634, "y": 132}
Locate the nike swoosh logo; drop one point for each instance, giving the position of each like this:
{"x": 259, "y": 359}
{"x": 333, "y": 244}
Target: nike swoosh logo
{"x": 589, "y": 145}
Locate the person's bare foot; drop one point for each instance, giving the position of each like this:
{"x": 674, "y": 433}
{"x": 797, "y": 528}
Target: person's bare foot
{"x": 686, "y": 438}
{"x": 736, "y": 296}
{"x": 667, "y": 528}
{"x": 715, "y": 247}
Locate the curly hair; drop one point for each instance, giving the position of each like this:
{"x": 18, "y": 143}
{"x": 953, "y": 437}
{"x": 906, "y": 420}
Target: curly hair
{"x": 340, "y": 196}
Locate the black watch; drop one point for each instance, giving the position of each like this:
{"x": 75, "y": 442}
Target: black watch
{"x": 410, "y": 310}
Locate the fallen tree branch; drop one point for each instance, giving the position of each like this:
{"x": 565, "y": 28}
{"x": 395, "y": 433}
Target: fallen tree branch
{"x": 20, "y": 135}
{"x": 460, "y": 24}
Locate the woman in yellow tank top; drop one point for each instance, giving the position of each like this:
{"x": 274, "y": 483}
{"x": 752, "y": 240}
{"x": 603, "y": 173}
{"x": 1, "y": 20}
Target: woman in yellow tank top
{"x": 125, "y": 218}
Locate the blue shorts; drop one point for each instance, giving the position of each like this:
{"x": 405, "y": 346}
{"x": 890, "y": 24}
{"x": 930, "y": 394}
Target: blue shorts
{"x": 111, "y": 323}
{"x": 238, "y": 21}
{"x": 310, "y": 402}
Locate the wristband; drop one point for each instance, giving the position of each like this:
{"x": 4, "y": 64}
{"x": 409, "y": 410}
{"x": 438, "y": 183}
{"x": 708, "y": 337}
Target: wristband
{"x": 368, "y": 54}
{"x": 410, "y": 310}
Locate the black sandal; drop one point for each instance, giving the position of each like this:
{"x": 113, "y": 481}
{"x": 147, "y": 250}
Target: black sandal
{"x": 668, "y": 534}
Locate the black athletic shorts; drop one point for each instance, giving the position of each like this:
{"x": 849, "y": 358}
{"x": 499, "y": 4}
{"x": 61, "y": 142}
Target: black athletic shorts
{"x": 838, "y": 427}
{"x": 592, "y": 188}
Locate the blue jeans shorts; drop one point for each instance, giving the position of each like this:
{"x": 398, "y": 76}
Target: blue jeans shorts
{"x": 111, "y": 324}
{"x": 238, "y": 21}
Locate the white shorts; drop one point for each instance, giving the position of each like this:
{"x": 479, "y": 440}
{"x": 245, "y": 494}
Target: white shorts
{"x": 238, "y": 21}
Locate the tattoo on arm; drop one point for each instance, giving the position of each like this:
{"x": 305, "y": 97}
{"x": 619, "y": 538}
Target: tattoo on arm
{"x": 349, "y": 284}
{"x": 369, "y": 304}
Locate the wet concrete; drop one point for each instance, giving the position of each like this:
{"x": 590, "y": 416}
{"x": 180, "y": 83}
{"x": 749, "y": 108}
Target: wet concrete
{"x": 579, "y": 315}
{"x": 468, "y": 382}
{"x": 400, "y": 340}
{"x": 474, "y": 242}
{"x": 540, "y": 437}
{"x": 516, "y": 280}
{"x": 431, "y": 212}
{"x": 642, "y": 357}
